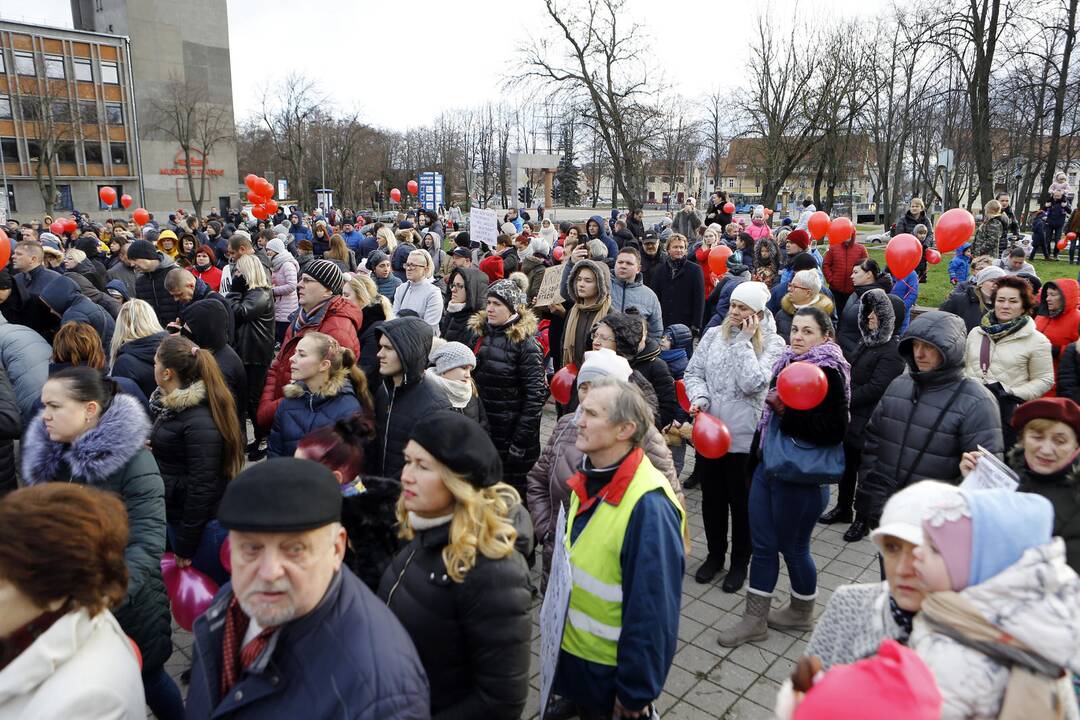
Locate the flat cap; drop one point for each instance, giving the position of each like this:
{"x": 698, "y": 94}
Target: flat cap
{"x": 281, "y": 495}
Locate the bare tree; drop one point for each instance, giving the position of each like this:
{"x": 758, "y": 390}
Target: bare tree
{"x": 716, "y": 130}
{"x": 48, "y": 122}
{"x": 287, "y": 109}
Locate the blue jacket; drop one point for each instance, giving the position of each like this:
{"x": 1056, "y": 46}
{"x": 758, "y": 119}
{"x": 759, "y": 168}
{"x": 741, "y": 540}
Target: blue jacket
{"x": 365, "y": 245}
{"x": 960, "y": 266}
{"x": 352, "y": 239}
{"x": 399, "y": 258}
{"x": 907, "y": 289}
{"x": 347, "y": 658}
{"x": 300, "y": 232}
{"x": 302, "y": 411}
{"x": 735, "y": 276}
{"x": 652, "y": 562}
{"x": 63, "y": 296}
{"x": 605, "y": 237}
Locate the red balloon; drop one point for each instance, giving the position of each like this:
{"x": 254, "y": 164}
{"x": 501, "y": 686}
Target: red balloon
{"x": 272, "y": 206}
{"x": 5, "y": 249}
{"x": 140, "y": 216}
{"x": 562, "y": 384}
{"x": 412, "y": 187}
{"x": 395, "y": 195}
{"x": 57, "y": 227}
{"x": 718, "y": 257}
{"x": 902, "y": 255}
{"x": 107, "y": 195}
{"x": 802, "y": 386}
{"x": 251, "y": 180}
{"x": 126, "y": 201}
{"x": 190, "y": 591}
{"x": 840, "y": 230}
{"x": 818, "y": 224}
{"x": 1063, "y": 243}
{"x": 225, "y": 556}
{"x": 954, "y": 228}
{"x": 266, "y": 189}
{"x": 70, "y": 225}
{"x": 933, "y": 256}
{"x": 680, "y": 393}
{"x": 710, "y": 437}
{"x": 1070, "y": 236}
{"x": 558, "y": 253}
{"x": 259, "y": 211}
{"x": 729, "y": 208}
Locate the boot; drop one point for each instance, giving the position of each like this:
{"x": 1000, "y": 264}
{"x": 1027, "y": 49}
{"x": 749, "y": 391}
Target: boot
{"x": 753, "y": 625}
{"x": 735, "y": 578}
{"x": 858, "y": 530}
{"x": 798, "y": 615}
{"x": 708, "y": 570}
{"x": 836, "y": 515}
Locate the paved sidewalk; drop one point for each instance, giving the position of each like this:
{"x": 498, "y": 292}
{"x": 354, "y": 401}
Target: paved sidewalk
{"x": 706, "y": 680}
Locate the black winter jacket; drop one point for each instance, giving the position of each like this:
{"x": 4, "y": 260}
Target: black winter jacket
{"x": 10, "y": 430}
{"x": 151, "y": 288}
{"x": 135, "y": 361}
{"x": 1063, "y": 490}
{"x": 472, "y": 637}
{"x": 964, "y": 303}
{"x": 63, "y": 296}
{"x": 369, "y": 343}
{"x": 204, "y": 292}
{"x": 652, "y": 368}
{"x": 399, "y": 408}
{"x": 455, "y": 325}
{"x": 874, "y": 364}
{"x": 370, "y": 520}
{"x": 680, "y": 287}
{"x": 188, "y": 448}
{"x": 900, "y": 427}
{"x": 825, "y": 424}
{"x": 847, "y": 329}
{"x": 253, "y": 311}
{"x": 205, "y": 326}
{"x": 110, "y": 304}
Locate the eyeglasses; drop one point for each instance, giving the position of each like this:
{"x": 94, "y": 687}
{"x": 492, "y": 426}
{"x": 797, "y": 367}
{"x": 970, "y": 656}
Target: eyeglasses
{"x": 796, "y": 287}
{"x": 414, "y": 266}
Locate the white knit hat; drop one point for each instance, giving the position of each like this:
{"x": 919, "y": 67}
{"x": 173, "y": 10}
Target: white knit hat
{"x": 989, "y": 273}
{"x": 452, "y": 355}
{"x": 603, "y": 363}
{"x": 753, "y": 295}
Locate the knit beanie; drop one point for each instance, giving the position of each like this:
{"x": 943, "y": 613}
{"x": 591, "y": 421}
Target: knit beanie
{"x": 989, "y": 273}
{"x": 507, "y": 228}
{"x": 326, "y": 274}
{"x": 376, "y": 258}
{"x": 803, "y": 261}
{"x": 597, "y": 249}
{"x": 142, "y": 250}
{"x": 753, "y": 295}
{"x": 799, "y": 237}
{"x": 462, "y": 239}
{"x": 679, "y": 335}
{"x": 603, "y": 363}
{"x": 450, "y": 355}
{"x": 507, "y": 292}
{"x": 492, "y": 267}
{"x": 276, "y": 246}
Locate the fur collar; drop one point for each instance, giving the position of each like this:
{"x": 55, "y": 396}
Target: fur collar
{"x": 333, "y": 387}
{"x": 183, "y": 398}
{"x": 96, "y": 454}
{"x": 516, "y": 332}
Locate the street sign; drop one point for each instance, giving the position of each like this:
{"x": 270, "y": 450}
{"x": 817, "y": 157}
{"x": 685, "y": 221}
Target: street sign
{"x": 431, "y": 190}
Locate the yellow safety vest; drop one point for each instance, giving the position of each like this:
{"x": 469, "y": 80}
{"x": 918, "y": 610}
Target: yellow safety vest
{"x": 594, "y": 618}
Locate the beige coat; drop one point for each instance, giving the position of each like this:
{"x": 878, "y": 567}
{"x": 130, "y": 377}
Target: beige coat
{"x": 81, "y": 667}
{"x": 1021, "y": 362}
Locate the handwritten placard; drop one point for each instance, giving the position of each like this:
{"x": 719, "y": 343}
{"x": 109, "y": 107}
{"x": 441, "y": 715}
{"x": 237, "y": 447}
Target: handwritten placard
{"x": 553, "y": 612}
{"x": 484, "y": 226}
{"x": 549, "y": 287}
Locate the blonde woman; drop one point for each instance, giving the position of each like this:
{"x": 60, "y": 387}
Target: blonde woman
{"x": 419, "y": 292}
{"x": 387, "y": 240}
{"x": 134, "y": 342}
{"x": 362, "y": 292}
{"x": 458, "y": 586}
{"x": 251, "y": 298}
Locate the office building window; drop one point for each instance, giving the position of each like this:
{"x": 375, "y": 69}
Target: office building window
{"x": 63, "y": 197}
{"x": 88, "y": 112}
{"x": 65, "y": 152}
{"x": 3, "y": 62}
{"x": 110, "y": 73}
{"x": 118, "y": 153}
{"x": 30, "y": 108}
{"x": 5, "y": 108}
{"x": 119, "y": 191}
{"x": 54, "y": 67}
{"x": 114, "y": 113}
{"x": 84, "y": 69}
{"x": 33, "y": 151}
{"x": 10, "y": 149}
{"x": 92, "y": 153}
{"x": 24, "y": 63}
{"x": 11, "y": 199}
{"x": 61, "y": 111}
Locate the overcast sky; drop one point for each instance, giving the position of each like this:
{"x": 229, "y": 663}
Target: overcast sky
{"x": 411, "y": 60}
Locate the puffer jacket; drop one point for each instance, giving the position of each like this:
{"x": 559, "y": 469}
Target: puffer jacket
{"x": 966, "y": 303}
{"x": 839, "y": 262}
{"x": 399, "y": 408}
{"x": 25, "y": 356}
{"x": 509, "y": 375}
{"x": 1062, "y": 489}
{"x": 472, "y": 637}
{"x": 111, "y": 456}
{"x": 151, "y": 288}
{"x": 135, "y": 361}
{"x": 205, "y": 326}
{"x": 1068, "y": 374}
{"x": 10, "y": 430}
{"x": 1061, "y": 329}
{"x": 63, "y": 296}
{"x": 786, "y": 314}
{"x": 634, "y": 293}
{"x": 302, "y": 411}
{"x": 900, "y": 425}
{"x": 875, "y": 363}
{"x": 655, "y": 370}
{"x": 188, "y": 448}
{"x": 546, "y": 484}
{"x": 254, "y": 314}
{"x": 283, "y": 276}
{"x": 729, "y": 379}
{"x": 368, "y": 359}
{"x": 848, "y": 334}
{"x": 455, "y": 323}
{"x": 1036, "y": 601}
{"x": 1021, "y": 362}
{"x": 341, "y": 321}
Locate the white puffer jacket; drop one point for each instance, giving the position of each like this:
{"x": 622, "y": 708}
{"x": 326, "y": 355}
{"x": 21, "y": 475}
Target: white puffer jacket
{"x": 728, "y": 380}
{"x": 1037, "y": 601}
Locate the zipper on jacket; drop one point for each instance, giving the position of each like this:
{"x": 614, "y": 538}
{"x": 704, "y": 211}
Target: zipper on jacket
{"x": 390, "y": 595}
{"x": 386, "y": 435}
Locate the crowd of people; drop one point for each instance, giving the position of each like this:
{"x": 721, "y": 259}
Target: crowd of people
{"x": 339, "y": 424}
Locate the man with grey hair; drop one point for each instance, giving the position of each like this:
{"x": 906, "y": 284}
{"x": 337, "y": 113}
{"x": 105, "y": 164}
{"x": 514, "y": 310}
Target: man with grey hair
{"x": 187, "y": 290}
{"x": 625, "y": 542}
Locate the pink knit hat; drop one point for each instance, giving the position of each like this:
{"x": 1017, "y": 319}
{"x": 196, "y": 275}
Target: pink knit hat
{"x": 948, "y": 524}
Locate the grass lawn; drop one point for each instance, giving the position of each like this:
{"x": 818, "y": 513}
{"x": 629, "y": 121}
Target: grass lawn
{"x": 938, "y": 287}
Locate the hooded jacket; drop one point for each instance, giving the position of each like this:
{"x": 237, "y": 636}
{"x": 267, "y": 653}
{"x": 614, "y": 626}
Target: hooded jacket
{"x": 848, "y": 332}
{"x": 25, "y": 355}
{"x": 899, "y": 430}
{"x": 680, "y": 287}
{"x": 578, "y": 327}
{"x": 205, "y": 326}
{"x": 111, "y": 456}
{"x": 1020, "y": 361}
{"x": 135, "y": 361}
{"x": 341, "y": 321}
{"x": 609, "y": 243}
{"x": 302, "y": 411}
{"x": 1061, "y": 329}
{"x": 455, "y": 323}
{"x": 110, "y": 304}
{"x": 875, "y": 361}
{"x": 399, "y": 408}
{"x": 151, "y": 288}
{"x": 284, "y": 273}
{"x": 63, "y": 296}
{"x": 368, "y": 359}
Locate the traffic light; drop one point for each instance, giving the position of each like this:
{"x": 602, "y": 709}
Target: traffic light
{"x": 525, "y": 194}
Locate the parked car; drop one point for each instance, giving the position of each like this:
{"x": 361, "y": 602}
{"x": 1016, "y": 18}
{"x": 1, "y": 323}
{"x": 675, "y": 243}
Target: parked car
{"x": 388, "y": 217}
{"x": 881, "y": 237}
{"x": 746, "y": 208}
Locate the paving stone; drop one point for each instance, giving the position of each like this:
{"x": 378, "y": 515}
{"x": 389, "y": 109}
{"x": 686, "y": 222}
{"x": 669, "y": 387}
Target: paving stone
{"x": 748, "y": 710}
{"x": 710, "y": 697}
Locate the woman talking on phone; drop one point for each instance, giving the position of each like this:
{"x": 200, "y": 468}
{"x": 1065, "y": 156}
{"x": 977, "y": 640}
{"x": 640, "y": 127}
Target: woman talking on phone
{"x": 729, "y": 377}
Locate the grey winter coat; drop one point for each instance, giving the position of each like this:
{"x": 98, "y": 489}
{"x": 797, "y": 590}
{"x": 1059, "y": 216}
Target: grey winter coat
{"x": 727, "y": 378}
{"x": 900, "y": 427}
{"x": 856, "y": 619}
{"x": 635, "y": 294}
{"x": 25, "y": 355}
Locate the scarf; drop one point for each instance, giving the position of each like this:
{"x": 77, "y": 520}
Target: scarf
{"x": 1000, "y": 330}
{"x": 203, "y": 268}
{"x": 903, "y": 618}
{"x": 570, "y": 330}
{"x": 454, "y": 307}
{"x": 825, "y": 355}
{"x": 459, "y": 393}
{"x": 312, "y": 318}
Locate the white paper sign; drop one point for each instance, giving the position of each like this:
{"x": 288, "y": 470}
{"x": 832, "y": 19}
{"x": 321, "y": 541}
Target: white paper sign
{"x": 484, "y": 226}
{"x": 553, "y": 611}
{"x": 990, "y": 473}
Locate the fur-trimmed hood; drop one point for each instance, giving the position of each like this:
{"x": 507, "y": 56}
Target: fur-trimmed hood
{"x": 336, "y": 385}
{"x": 182, "y": 398}
{"x": 519, "y": 330}
{"x": 96, "y": 454}
{"x": 876, "y": 301}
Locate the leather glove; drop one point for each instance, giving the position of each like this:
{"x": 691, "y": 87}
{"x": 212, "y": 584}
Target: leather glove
{"x": 239, "y": 284}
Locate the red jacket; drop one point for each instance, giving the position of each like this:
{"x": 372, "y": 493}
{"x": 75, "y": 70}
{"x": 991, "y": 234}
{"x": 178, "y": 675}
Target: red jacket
{"x": 839, "y": 261}
{"x": 211, "y": 277}
{"x": 341, "y": 321}
{"x": 1064, "y": 328}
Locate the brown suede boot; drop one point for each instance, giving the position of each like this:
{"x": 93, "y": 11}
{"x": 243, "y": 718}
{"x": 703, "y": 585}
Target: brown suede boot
{"x": 753, "y": 625}
{"x": 798, "y": 615}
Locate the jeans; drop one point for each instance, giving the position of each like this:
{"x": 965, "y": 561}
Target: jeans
{"x": 207, "y": 558}
{"x": 256, "y": 378}
{"x": 162, "y": 695}
{"x": 724, "y": 488}
{"x": 280, "y": 326}
{"x": 782, "y": 516}
{"x": 678, "y": 456}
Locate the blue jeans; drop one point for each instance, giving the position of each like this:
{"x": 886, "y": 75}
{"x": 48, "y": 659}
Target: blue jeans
{"x": 782, "y": 516}
{"x": 207, "y": 557}
{"x": 162, "y": 695}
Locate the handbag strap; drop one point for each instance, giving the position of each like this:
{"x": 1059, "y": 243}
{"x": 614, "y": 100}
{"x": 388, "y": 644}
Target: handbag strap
{"x": 984, "y": 354}
{"x": 933, "y": 430}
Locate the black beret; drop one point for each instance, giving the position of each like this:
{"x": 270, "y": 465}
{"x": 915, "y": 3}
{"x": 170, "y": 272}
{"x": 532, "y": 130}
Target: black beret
{"x": 459, "y": 443}
{"x": 281, "y": 495}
